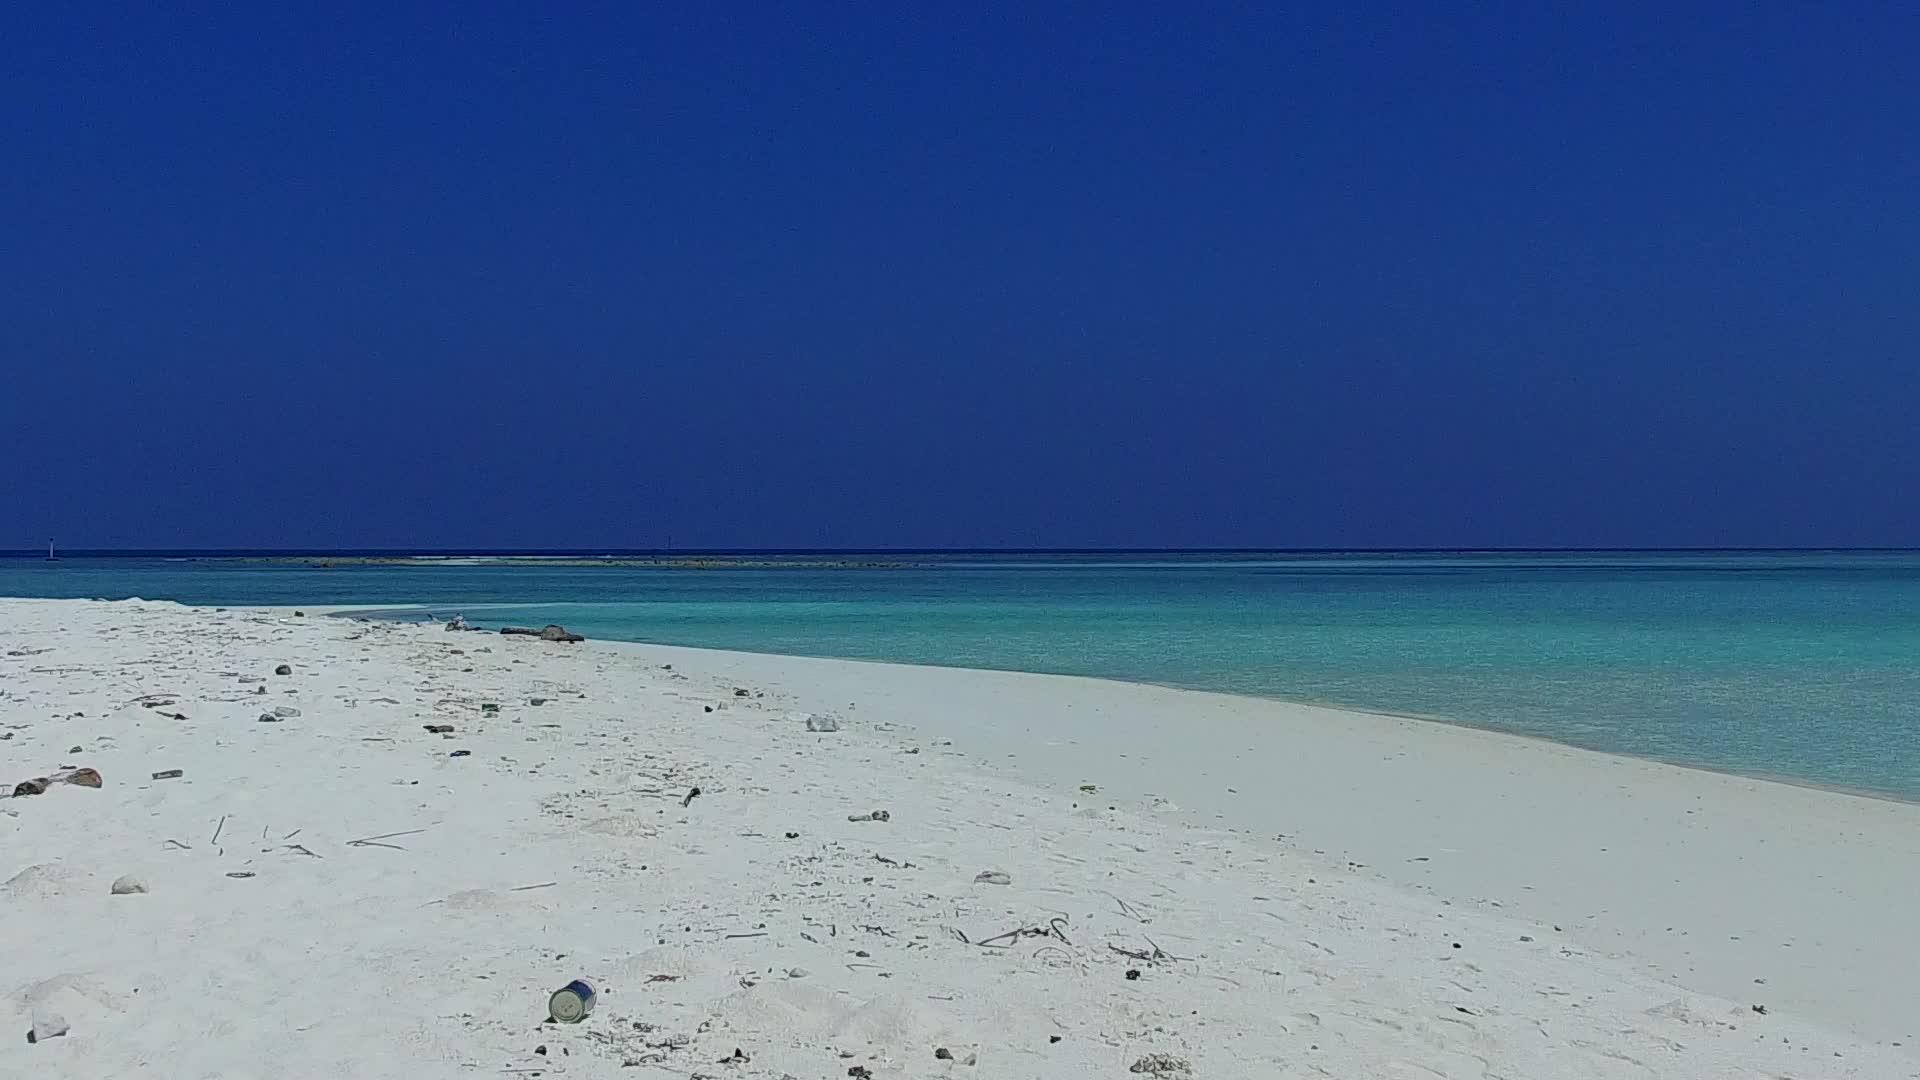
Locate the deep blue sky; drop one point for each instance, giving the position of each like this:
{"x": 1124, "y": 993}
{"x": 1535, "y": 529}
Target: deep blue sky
{"x": 461, "y": 277}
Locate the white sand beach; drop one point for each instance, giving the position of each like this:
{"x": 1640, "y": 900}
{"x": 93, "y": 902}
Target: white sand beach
{"x": 1243, "y": 889}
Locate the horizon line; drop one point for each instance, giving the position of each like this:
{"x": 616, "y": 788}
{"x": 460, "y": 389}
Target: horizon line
{"x": 611, "y": 552}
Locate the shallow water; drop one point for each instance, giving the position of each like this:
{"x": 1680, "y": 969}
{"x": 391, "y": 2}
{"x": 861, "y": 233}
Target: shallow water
{"x": 1801, "y": 665}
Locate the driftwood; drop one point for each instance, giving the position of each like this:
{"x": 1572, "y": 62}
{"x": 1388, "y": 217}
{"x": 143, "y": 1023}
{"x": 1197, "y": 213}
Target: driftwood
{"x": 1055, "y": 928}
{"x": 379, "y": 841}
{"x": 1156, "y": 955}
{"x": 550, "y": 632}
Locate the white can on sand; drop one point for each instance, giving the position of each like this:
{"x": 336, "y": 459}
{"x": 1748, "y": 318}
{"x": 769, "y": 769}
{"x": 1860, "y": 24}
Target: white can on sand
{"x": 571, "y": 1003}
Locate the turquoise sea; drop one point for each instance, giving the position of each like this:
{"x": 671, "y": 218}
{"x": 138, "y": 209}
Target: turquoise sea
{"x": 1801, "y": 665}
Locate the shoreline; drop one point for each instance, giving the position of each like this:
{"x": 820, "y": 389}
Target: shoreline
{"x": 361, "y": 611}
{"x": 1566, "y": 797}
{"x": 1347, "y": 892}
{"x": 1048, "y": 748}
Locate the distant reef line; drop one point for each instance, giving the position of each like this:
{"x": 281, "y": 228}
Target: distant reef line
{"x": 663, "y": 562}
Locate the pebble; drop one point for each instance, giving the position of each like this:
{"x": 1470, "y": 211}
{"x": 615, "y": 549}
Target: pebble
{"x": 822, "y": 723}
{"x": 269, "y": 718}
{"x": 798, "y": 973}
{"x": 127, "y": 885}
{"x": 285, "y": 711}
{"x": 993, "y": 877}
{"x": 283, "y": 669}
